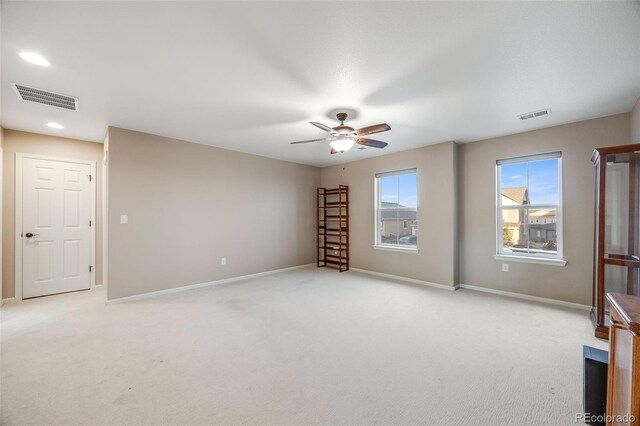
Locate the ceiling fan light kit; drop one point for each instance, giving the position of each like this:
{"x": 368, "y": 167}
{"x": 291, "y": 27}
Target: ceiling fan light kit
{"x": 343, "y": 143}
{"x": 344, "y": 137}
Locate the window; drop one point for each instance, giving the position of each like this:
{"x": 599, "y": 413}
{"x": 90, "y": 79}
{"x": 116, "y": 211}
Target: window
{"x": 529, "y": 212}
{"x": 397, "y": 209}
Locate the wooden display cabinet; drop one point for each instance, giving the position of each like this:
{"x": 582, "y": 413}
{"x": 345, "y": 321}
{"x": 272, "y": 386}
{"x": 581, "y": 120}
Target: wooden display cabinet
{"x": 616, "y": 266}
{"x": 623, "y": 390}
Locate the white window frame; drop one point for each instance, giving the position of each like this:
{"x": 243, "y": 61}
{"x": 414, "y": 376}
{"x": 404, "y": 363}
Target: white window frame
{"x": 376, "y": 211}
{"x": 543, "y": 258}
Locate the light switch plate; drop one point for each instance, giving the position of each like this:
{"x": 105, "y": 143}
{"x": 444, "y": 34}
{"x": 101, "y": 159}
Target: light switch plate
{"x": 124, "y": 218}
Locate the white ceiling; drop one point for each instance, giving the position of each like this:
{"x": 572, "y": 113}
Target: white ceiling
{"x": 250, "y": 76}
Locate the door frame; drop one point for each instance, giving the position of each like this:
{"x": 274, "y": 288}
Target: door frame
{"x": 20, "y": 156}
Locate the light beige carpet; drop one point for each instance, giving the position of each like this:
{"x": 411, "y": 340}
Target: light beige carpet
{"x": 303, "y": 347}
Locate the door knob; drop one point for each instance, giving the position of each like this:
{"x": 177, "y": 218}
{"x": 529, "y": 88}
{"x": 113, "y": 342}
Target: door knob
{"x": 29, "y": 235}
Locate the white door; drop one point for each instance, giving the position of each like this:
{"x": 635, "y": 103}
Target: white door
{"x": 56, "y": 232}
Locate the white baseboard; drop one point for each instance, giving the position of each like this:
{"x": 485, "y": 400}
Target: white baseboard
{"x": 481, "y": 289}
{"x": 527, "y": 297}
{"x": 409, "y": 280}
{"x": 7, "y": 300}
{"x": 201, "y": 285}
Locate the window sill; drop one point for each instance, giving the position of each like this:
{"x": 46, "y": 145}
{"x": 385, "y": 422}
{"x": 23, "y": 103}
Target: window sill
{"x": 526, "y": 259}
{"x": 395, "y": 248}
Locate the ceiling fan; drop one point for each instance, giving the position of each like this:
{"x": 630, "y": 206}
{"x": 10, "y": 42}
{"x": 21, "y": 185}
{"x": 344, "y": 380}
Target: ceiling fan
{"x": 344, "y": 137}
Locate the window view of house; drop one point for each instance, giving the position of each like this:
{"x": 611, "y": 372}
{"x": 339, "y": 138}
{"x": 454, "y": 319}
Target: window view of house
{"x": 528, "y": 206}
{"x": 396, "y": 209}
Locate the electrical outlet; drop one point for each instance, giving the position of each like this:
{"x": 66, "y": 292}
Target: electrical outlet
{"x": 124, "y": 219}
{"x": 505, "y": 267}
{"x": 223, "y": 261}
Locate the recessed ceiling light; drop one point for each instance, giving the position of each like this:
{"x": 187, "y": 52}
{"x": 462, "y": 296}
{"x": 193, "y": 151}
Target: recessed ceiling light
{"x": 34, "y": 58}
{"x": 55, "y": 125}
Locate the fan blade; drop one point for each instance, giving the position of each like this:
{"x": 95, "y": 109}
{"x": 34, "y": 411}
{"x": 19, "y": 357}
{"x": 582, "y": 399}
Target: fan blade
{"x": 311, "y": 140}
{"x": 371, "y": 142}
{"x": 324, "y": 127}
{"x": 376, "y": 128}
{"x": 333, "y": 151}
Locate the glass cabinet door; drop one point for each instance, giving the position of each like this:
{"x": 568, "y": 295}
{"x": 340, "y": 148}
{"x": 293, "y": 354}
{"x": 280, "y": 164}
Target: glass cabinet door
{"x": 617, "y": 238}
{"x": 619, "y": 279}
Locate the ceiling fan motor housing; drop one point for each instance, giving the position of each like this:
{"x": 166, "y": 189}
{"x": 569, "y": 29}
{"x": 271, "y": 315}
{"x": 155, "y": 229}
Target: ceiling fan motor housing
{"x": 344, "y": 130}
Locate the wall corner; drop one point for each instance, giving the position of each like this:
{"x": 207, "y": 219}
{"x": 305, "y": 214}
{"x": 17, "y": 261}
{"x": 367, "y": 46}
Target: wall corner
{"x": 635, "y": 122}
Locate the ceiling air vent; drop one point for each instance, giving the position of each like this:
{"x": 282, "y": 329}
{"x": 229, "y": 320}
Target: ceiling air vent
{"x": 535, "y": 114}
{"x": 45, "y": 97}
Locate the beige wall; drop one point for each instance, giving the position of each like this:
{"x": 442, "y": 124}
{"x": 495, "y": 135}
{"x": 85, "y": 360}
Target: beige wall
{"x": 571, "y": 283}
{"x": 178, "y": 194}
{"x": 32, "y": 143}
{"x": 437, "y": 244}
{"x": 635, "y": 123}
{"x": 190, "y": 205}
